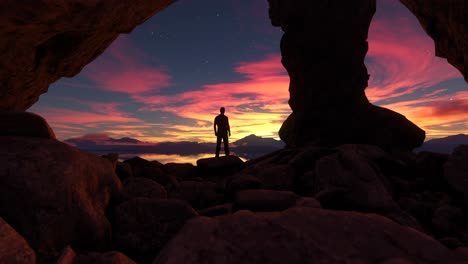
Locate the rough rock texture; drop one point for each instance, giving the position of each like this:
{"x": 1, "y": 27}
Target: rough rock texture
{"x": 143, "y": 226}
{"x": 220, "y": 166}
{"x": 456, "y": 170}
{"x": 445, "y": 21}
{"x": 264, "y": 200}
{"x": 24, "y": 124}
{"x": 323, "y": 50}
{"x": 112, "y": 257}
{"x": 199, "y": 194}
{"x": 143, "y": 187}
{"x": 148, "y": 169}
{"x": 42, "y": 41}
{"x": 55, "y": 195}
{"x": 301, "y": 235}
{"x": 13, "y": 247}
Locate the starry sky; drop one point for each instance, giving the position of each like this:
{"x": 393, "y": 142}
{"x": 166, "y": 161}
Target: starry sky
{"x": 167, "y": 79}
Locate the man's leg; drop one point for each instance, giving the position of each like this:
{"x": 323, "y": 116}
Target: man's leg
{"x": 226, "y": 145}
{"x": 218, "y": 146}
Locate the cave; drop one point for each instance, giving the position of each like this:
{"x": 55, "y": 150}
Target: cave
{"x": 357, "y": 197}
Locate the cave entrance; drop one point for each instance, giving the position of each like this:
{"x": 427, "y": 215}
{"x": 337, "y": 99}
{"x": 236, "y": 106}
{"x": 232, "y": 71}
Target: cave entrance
{"x": 167, "y": 79}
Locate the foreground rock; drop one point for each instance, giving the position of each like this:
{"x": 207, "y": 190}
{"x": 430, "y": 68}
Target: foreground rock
{"x": 456, "y": 170}
{"x": 301, "y": 235}
{"x": 143, "y": 187}
{"x": 143, "y": 226}
{"x": 24, "y": 124}
{"x": 112, "y": 257}
{"x": 55, "y": 195}
{"x": 13, "y": 247}
{"x": 44, "y": 40}
{"x": 221, "y": 166}
{"x": 264, "y": 200}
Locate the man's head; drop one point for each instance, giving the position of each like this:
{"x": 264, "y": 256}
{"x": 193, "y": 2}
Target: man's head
{"x": 222, "y": 110}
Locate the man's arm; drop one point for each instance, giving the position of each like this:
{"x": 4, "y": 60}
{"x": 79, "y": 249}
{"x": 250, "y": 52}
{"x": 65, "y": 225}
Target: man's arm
{"x": 228, "y": 127}
{"x": 214, "y": 127}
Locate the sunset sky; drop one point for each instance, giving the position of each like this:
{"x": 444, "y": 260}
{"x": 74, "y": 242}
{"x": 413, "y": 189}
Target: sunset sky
{"x": 167, "y": 79}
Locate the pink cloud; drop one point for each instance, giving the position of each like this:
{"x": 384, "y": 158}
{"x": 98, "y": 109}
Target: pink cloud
{"x": 122, "y": 69}
{"x": 56, "y": 115}
{"x": 401, "y": 56}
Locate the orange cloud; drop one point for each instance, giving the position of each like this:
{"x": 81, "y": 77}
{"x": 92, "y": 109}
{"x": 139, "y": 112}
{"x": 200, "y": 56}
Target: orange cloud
{"x": 256, "y": 105}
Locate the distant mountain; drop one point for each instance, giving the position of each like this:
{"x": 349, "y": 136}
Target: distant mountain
{"x": 253, "y": 140}
{"x": 253, "y": 146}
{"x": 249, "y": 147}
{"x": 444, "y": 145}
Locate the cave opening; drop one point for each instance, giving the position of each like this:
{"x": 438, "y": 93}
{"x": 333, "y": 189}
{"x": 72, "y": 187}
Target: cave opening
{"x": 167, "y": 79}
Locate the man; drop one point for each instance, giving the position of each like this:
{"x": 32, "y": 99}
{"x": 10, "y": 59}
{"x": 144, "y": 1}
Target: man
{"x": 222, "y": 129}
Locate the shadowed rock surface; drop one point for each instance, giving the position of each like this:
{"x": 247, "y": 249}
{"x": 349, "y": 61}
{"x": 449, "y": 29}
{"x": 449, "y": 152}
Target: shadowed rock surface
{"x": 13, "y": 247}
{"x": 143, "y": 226}
{"x": 112, "y": 257}
{"x": 42, "y": 41}
{"x": 445, "y": 22}
{"x": 301, "y": 235}
{"x": 323, "y": 49}
{"x": 55, "y": 195}
{"x": 24, "y": 124}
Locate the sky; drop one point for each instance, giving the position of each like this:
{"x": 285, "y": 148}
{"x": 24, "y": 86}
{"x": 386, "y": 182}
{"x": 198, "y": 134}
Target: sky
{"x": 166, "y": 80}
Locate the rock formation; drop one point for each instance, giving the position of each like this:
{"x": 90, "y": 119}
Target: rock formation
{"x": 42, "y": 41}
{"x": 301, "y": 235}
{"x": 55, "y": 195}
{"x": 323, "y": 49}
{"x": 445, "y": 21}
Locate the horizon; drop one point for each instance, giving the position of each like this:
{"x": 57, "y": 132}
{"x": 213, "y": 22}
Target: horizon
{"x": 151, "y": 86}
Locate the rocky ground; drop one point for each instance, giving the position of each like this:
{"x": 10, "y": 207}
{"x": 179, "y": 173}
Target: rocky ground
{"x": 349, "y": 204}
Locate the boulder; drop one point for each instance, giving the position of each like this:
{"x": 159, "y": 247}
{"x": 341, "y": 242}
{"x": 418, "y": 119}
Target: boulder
{"x": 148, "y": 169}
{"x": 24, "y": 124}
{"x": 456, "y": 170}
{"x": 43, "y": 41}
{"x": 354, "y": 179}
{"x": 143, "y": 187}
{"x": 183, "y": 171}
{"x": 13, "y": 247}
{"x": 225, "y": 165}
{"x": 216, "y": 210}
{"x": 55, "y": 195}
{"x": 447, "y": 220}
{"x": 123, "y": 170}
{"x": 143, "y": 226}
{"x": 67, "y": 256}
{"x": 199, "y": 194}
{"x": 264, "y": 200}
{"x": 112, "y": 257}
{"x": 301, "y": 235}
{"x": 113, "y": 158}
{"x": 445, "y": 22}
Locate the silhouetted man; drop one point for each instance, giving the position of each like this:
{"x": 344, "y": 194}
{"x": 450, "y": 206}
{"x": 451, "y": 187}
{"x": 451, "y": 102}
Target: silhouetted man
{"x": 222, "y": 129}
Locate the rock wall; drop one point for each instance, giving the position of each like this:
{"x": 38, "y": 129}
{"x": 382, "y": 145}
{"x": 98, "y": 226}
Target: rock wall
{"x": 42, "y": 41}
{"x": 445, "y": 22}
{"x": 323, "y": 50}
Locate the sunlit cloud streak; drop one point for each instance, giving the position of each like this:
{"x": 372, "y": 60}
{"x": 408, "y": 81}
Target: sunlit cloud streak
{"x": 123, "y": 69}
{"x": 439, "y": 115}
{"x": 401, "y": 58}
{"x": 259, "y": 102}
